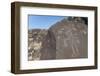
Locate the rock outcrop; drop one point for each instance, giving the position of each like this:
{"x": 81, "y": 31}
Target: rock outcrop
{"x": 66, "y": 39}
{"x": 71, "y": 39}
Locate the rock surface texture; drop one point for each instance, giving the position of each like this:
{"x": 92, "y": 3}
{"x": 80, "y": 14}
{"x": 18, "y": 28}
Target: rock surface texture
{"x": 35, "y": 39}
{"x": 67, "y": 39}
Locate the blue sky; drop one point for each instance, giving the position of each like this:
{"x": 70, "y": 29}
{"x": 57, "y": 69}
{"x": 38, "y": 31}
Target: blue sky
{"x": 42, "y": 21}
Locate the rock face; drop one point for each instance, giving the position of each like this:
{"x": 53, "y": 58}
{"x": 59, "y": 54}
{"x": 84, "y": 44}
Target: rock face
{"x": 48, "y": 50}
{"x": 66, "y": 39}
{"x": 71, "y": 39}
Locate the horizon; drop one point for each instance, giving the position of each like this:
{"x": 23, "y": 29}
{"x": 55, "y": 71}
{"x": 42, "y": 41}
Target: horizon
{"x": 43, "y": 21}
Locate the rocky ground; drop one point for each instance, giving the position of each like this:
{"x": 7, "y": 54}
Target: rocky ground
{"x": 35, "y": 39}
{"x": 66, "y": 39}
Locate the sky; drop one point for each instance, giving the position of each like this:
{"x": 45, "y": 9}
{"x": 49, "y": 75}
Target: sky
{"x": 42, "y": 21}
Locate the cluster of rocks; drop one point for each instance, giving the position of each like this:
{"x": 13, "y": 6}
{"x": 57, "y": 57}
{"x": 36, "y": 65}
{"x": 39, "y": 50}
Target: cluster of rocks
{"x": 67, "y": 39}
{"x": 35, "y": 38}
